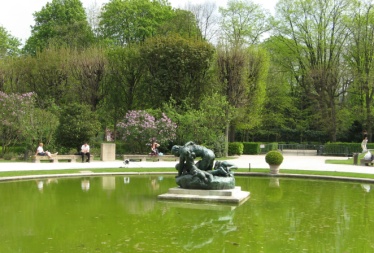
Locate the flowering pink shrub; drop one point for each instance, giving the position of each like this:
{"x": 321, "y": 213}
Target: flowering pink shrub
{"x": 139, "y": 128}
{"x": 14, "y": 114}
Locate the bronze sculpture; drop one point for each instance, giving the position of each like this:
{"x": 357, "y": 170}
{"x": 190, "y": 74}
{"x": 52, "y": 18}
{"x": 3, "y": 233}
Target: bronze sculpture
{"x": 202, "y": 175}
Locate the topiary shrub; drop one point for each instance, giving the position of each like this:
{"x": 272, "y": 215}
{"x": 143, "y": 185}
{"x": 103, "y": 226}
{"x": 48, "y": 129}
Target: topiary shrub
{"x": 235, "y": 148}
{"x": 274, "y": 157}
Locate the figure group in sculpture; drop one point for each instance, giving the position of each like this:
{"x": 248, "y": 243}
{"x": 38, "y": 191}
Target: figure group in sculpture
{"x": 203, "y": 168}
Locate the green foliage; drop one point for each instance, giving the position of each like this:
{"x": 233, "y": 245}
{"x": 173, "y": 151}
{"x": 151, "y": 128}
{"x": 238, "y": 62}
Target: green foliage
{"x": 205, "y": 125}
{"x": 78, "y": 124}
{"x": 316, "y": 72}
{"x": 60, "y": 23}
{"x": 242, "y": 74}
{"x": 14, "y": 119}
{"x": 48, "y": 75}
{"x": 8, "y": 156}
{"x": 88, "y": 69}
{"x": 183, "y": 23}
{"x": 39, "y": 126}
{"x": 9, "y": 45}
{"x": 130, "y": 21}
{"x": 360, "y": 53}
{"x": 314, "y": 92}
{"x": 124, "y": 74}
{"x": 235, "y": 148}
{"x": 272, "y": 146}
{"x": 274, "y": 157}
{"x": 243, "y": 22}
{"x": 251, "y": 148}
{"x": 254, "y": 148}
{"x": 182, "y": 71}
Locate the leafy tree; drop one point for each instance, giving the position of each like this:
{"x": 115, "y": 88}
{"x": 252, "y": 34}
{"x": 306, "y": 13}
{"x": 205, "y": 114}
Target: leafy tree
{"x": 178, "y": 69}
{"x": 78, "y": 124}
{"x": 48, "y": 75}
{"x": 280, "y": 112}
{"x": 124, "y": 75}
{"x": 315, "y": 36}
{"x": 15, "y": 108}
{"x": 88, "y": 69}
{"x": 205, "y": 125}
{"x": 183, "y": 23}
{"x": 243, "y": 22}
{"x": 60, "y": 23}
{"x": 242, "y": 74}
{"x": 360, "y": 55}
{"x": 9, "y": 45}
{"x": 257, "y": 65}
{"x": 129, "y": 21}
{"x": 38, "y": 126}
{"x": 140, "y": 127}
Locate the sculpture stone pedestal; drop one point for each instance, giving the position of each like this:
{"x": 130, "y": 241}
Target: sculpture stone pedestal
{"x": 108, "y": 152}
{"x": 236, "y": 195}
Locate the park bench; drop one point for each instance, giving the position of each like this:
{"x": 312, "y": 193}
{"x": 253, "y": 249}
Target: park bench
{"x": 144, "y": 158}
{"x": 56, "y": 158}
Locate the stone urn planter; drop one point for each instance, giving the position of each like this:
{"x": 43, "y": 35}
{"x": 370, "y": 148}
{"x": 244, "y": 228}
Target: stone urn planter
{"x": 274, "y": 169}
{"x": 274, "y": 159}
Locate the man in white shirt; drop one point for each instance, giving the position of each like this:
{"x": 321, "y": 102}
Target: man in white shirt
{"x": 85, "y": 150}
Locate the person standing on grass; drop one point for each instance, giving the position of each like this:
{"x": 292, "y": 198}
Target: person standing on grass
{"x": 85, "y": 151}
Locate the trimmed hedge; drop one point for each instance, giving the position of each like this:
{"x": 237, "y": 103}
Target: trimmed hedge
{"x": 236, "y": 148}
{"x": 254, "y": 148}
{"x": 251, "y": 148}
{"x": 343, "y": 148}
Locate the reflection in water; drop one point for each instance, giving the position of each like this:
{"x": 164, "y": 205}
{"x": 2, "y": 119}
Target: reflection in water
{"x": 154, "y": 184}
{"x": 85, "y": 184}
{"x": 365, "y": 187}
{"x": 126, "y": 180}
{"x": 274, "y": 182}
{"x": 40, "y": 183}
{"x": 214, "y": 225}
{"x": 109, "y": 183}
{"x": 206, "y": 224}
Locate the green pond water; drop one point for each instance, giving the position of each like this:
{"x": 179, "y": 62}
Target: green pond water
{"x": 123, "y": 214}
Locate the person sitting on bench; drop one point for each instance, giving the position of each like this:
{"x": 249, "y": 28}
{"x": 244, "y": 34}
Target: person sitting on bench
{"x": 85, "y": 150}
{"x": 40, "y": 151}
{"x": 154, "y": 148}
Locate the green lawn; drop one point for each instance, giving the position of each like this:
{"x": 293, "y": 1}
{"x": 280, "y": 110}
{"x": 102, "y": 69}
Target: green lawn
{"x": 314, "y": 173}
{"x": 348, "y": 161}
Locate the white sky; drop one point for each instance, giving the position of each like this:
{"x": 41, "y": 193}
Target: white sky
{"x": 16, "y": 15}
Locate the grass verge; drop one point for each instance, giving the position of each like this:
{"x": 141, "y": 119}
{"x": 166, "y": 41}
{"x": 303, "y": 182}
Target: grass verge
{"x": 316, "y": 173}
